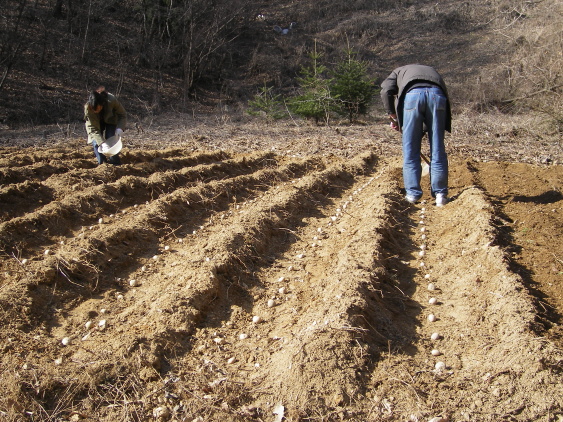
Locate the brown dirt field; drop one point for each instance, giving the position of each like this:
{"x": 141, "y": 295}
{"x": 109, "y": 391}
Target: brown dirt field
{"x": 205, "y": 228}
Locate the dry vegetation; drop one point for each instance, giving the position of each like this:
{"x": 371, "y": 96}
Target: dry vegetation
{"x": 216, "y": 218}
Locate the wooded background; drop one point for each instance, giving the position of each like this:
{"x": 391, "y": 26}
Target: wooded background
{"x": 162, "y": 55}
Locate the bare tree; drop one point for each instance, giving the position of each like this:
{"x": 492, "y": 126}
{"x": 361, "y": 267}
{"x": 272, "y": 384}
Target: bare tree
{"x": 12, "y": 39}
{"x": 190, "y": 38}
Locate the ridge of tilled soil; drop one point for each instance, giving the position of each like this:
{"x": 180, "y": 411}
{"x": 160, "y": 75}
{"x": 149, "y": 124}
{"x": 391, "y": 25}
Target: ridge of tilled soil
{"x": 219, "y": 286}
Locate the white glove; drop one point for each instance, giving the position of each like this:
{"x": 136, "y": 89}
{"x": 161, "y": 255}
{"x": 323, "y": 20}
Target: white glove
{"x": 118, "y": 132}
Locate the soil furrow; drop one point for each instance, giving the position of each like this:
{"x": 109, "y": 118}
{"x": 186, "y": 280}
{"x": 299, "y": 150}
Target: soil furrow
{"x": 150, "y": 311}
{"x": 140, "y": 186}
{"x": 479, "y": 315}
{"x": 173, "y": 309}
{"x": 138, "y": 164}
{"x": 99, "y": 255}
{"x": 315, "y": 355}
{"x": 84, "y": 208}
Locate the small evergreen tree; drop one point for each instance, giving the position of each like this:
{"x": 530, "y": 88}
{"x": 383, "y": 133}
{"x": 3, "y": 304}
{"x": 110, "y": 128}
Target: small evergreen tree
{"x": 315, "y": 100}
{"x": 351, "y": 87}
{"x": 266, "y": 103}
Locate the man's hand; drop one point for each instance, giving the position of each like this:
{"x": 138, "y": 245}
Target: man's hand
{"x": 118, "y": 132}
{"x": 394, "y": 122}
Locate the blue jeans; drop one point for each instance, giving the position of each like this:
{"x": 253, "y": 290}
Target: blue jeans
{"x": 107, "y": 132}
{"x": 424, "y": 106}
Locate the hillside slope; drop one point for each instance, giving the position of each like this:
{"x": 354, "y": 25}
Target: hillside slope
{"x": 490, "y": 52}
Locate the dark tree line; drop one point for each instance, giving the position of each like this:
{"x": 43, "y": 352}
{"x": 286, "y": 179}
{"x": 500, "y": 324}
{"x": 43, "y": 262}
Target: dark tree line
{"x": 189, "y": 40}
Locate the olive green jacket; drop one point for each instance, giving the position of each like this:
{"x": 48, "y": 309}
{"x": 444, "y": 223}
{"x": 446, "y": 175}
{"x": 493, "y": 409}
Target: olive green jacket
{"x": 113, "y": 113}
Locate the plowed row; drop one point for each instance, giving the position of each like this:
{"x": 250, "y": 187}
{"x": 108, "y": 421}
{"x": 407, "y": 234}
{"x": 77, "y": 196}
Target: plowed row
{"x": 254, "y": 287}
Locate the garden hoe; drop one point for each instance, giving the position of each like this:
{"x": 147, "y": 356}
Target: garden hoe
{"x": 425, "y": 164}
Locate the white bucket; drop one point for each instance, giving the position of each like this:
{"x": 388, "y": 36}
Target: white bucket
{"x": 111, "y": 146}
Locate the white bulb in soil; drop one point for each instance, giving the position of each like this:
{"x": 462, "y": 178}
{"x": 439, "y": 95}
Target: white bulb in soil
{"x": 47, "y": 251}
{"x": 133, "y": 283}
{"x": 256, "y": 319}
{"x": 435, "y": 352}
{"x": 167, "y": 248}
{"x": 431, "y": 287}
{"x": 281, "y": 279}
{"x": 440, "y": 366}
{"x": 435, "y": 336}
{"x": 423, "y": 246}
{"x": 431, "y": 317}
{"x": 432, "y": 301}
{"x": 271, "y": 303}
{"x": 101, "y": 220}
{"x": 427, "y": 276}
{"x": 218, "y": 340}
{"x": 243, "y": 336}
{"x": 65, "y": 341}
{"x": 423, "y": 236}
{"x": 88, "y": 325}
{"x": 231, "y": 360}
{"x": 421, "y": 253}
{"x": 282, "y": 290}
{"x": 24, "y": 261}
{"x": 102, "y": 324}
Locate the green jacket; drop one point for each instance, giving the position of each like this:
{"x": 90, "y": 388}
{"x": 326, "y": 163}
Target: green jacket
{"x": 113, "y": 113}
{"x": 394, "y": 88}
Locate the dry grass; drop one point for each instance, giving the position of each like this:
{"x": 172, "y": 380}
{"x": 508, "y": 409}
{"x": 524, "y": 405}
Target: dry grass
{"x": 528, "y": 75}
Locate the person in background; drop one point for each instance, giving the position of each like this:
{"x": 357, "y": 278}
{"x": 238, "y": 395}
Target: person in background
{"x": 105, "y": 117}
{"x": 416, "y": 99}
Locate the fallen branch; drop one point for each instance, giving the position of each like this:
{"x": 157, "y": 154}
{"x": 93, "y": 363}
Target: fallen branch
{"x": 533, "y": 94}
